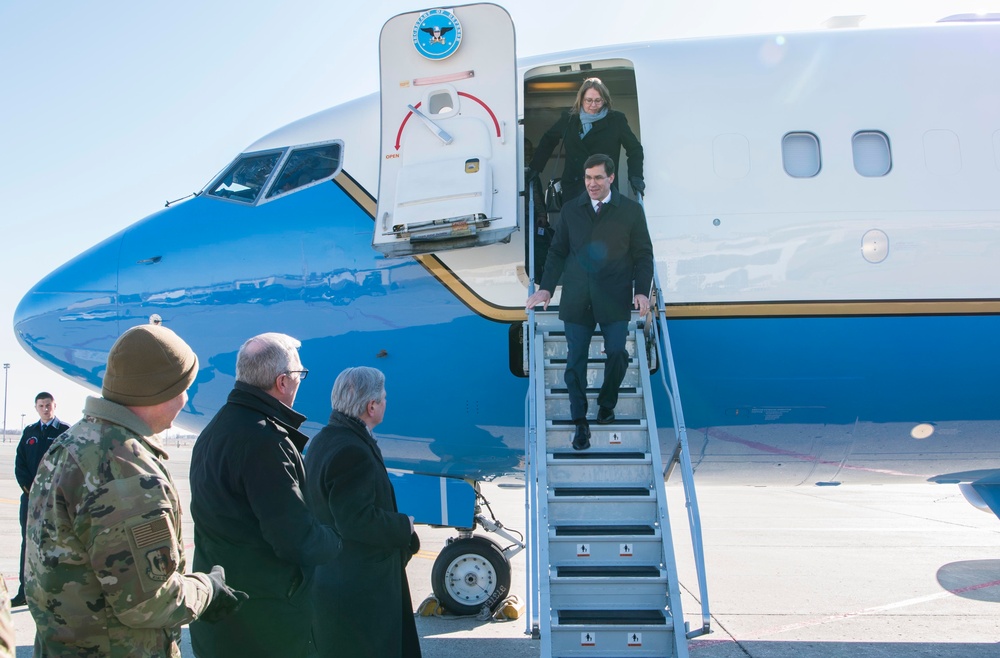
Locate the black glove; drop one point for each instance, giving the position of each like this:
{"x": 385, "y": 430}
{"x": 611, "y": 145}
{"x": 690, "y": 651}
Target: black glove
{"x": 225, "y": 600}
{"x": 638, "y": 185}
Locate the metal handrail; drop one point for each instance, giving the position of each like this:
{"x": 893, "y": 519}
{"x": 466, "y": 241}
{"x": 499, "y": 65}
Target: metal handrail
{"x": 532, "y": 619}
{"x": 666, "y": 357}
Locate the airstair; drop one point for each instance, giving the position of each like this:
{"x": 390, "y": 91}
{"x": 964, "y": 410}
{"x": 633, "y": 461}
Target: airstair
{"x": 602, "y": 572}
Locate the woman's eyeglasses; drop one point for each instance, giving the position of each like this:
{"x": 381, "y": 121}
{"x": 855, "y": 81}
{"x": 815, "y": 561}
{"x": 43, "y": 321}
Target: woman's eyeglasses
{"x": 593, "y": 101}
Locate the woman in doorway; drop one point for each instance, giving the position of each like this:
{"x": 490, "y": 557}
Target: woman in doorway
{"x": 590, "y": 127}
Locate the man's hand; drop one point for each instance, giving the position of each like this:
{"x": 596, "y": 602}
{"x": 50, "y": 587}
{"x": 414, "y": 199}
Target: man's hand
{"x": 225, "y": 600}
{"x": 638, "y": 185}
{"x": 641, "y": 302}
{"x": 540, "y": 297}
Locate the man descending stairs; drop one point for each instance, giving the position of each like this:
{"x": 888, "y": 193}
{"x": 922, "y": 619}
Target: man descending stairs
{"x": 605, "y": 568}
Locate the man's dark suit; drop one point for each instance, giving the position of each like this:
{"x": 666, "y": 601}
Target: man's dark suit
{"x": 604, "y": 261}
{"x": 35, "y": 441}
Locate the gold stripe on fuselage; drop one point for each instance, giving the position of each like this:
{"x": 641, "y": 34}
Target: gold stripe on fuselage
{"x": 791, "y": 309}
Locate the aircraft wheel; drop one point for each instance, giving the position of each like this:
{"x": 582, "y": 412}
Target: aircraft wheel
{"x": 470, "y": 573}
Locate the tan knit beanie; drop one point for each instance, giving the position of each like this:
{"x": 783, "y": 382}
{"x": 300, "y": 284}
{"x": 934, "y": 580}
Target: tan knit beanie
{"x": 147, "y": 365}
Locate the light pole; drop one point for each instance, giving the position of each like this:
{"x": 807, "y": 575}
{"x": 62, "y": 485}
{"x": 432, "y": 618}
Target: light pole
{"x": 6, "y": 367}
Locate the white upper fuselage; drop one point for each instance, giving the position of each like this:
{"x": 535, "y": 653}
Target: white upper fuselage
{"x": 730, "y": 225}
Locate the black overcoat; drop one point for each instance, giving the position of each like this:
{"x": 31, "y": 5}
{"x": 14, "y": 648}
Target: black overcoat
{"x": 604, "y": 260}
{"x": 361, "y": 601}
{"x": 606, "y": 136}
{"x": 250, "y": 516}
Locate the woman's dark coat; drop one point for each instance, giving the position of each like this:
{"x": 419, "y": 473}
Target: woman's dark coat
{"x": 361, "y": 601}
{"x": 606, "y": 136}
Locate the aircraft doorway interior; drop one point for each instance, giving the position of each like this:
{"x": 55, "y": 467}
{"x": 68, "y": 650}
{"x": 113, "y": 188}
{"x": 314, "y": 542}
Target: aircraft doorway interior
{"x": 550, "y": 91}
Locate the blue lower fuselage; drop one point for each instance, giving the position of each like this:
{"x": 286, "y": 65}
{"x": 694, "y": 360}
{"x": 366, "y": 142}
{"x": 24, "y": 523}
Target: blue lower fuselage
{"x": 768, "y": 399}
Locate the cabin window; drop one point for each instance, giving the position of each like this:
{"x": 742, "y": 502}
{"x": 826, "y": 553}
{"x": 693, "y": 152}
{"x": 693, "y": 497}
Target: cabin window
{"x": 942, "y": 152}
{"x": 872, "y": 155}
{"x": 800, "y": 154}
{"x": 305, "y": 166}
{"x": 731, "y": 154}
{"x": 245, "y": 178}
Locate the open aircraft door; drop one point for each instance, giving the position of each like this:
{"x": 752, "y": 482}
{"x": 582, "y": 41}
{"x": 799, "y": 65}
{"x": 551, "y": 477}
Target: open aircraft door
{"x": 448, "y": 176}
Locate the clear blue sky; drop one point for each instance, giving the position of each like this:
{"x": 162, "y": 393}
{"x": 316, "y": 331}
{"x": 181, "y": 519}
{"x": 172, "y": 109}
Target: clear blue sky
{"x": 110, "y": 108}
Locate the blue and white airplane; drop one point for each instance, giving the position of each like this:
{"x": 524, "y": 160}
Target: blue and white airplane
{"x": 824, "y": 207}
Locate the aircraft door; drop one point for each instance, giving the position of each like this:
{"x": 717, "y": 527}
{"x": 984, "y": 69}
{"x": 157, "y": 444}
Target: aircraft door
{"x": 448, "y": 173}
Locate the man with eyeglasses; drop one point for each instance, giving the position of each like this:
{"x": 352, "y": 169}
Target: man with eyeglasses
{"x": 604, "y": 255}
{"x": 247, "y": 479}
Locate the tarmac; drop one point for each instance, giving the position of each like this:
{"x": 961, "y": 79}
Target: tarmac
{"x": 852, "y": 570}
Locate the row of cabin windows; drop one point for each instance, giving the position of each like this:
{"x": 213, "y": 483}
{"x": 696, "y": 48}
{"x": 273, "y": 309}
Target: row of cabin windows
{"x": 800, "y": 154}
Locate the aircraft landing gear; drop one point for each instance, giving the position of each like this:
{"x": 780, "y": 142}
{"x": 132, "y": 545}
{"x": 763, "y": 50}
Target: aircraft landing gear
{"x": 473, "y": 572}
{"x": 470, "y": 573}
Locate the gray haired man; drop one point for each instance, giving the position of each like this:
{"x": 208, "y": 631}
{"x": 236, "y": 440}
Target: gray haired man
{"x": 249, "y": 514}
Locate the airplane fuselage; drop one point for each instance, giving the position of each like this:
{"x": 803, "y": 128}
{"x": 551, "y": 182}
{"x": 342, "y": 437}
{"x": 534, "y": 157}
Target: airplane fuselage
{"x": 823, "y": 208}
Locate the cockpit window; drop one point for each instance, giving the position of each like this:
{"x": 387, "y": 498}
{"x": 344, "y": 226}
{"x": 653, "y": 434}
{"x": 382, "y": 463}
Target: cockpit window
{"x": 246, "y": 177}
{"x": 305, "y": 166}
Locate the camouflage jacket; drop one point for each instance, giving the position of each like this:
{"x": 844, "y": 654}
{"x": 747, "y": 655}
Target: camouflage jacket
{"x": 8, "y": 644}
{"x": 105, "y": 556}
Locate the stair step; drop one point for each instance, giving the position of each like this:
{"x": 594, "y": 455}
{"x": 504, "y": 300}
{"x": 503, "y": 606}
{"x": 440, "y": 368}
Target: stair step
{"x": 593, "y": 455}
{"x": 571, "y": 508}
{"x": 574, "y": 545}
{"x": 607, "y": 587}
{"x": 560, "y": 492}
{"x": 623, "y": 419}
{"x": 630, "y": 406}
{"x": 603, "y": 530}
{"x": 609, "y": 617}
{"x": 604, "y": 439}
{"x": 565, "y": 471}
{"x": 611, "y": 633}
{"x": 557, "y": 390}
{"x": 557, "y": 424}
{"x": 607, "y": 571}
{"x": 634, "y": 641}
{"x": 555, "y": 375}
{"x": 614, "y": 550}
{"x": 555, "y": 346}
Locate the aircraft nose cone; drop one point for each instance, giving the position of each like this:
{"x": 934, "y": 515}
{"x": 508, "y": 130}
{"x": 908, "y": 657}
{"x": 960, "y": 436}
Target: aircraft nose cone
{"x": 69, "y": 319}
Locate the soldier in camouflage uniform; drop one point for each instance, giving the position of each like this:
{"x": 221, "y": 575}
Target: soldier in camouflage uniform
{"x": 106, "y": 557}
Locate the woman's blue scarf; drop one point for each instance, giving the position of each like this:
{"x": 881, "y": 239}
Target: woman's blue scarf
{"x": 587, "y": 120}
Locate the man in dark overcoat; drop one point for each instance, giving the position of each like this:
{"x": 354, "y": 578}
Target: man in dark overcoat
{"x": 361, "y": 601}
{"x": 247, "y": 479}
{"x": 603, "y": 252}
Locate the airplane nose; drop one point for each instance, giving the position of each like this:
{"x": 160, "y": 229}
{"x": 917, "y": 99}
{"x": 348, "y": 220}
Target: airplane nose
{"x": 69, "y": 319}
